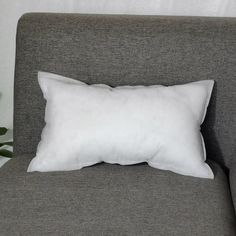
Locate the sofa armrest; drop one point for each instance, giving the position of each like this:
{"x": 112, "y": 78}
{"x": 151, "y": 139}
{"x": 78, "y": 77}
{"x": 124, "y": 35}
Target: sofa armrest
{"x": 232, "y": 181}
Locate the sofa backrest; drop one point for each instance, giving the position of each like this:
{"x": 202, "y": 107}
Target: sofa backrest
{"x": 121, "y": 50}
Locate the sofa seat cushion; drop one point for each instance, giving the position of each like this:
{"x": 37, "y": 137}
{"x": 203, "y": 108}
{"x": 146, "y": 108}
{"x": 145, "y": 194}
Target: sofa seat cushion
{"x": 113, "y": 200}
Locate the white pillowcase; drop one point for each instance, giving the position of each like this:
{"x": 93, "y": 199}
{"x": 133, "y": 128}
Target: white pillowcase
{"x": 88, "y": 124}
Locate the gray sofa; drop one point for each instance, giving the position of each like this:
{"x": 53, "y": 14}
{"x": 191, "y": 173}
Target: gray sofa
{"x": 112, "y": 199}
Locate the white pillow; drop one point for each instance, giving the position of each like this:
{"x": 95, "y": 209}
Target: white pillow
{"x": 88, "y": 124}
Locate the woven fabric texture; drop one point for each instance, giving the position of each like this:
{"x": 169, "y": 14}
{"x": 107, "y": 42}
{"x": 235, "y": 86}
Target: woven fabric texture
{"x": 113, "y": 200}
{"x": 232, "y": 179}
{"x": 133, "y": 50}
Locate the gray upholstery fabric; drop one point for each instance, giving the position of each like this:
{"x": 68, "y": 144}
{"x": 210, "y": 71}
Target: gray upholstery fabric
{"x": 120, "y": 50}
{"x": 113, "y": 200}
{"x": 232, "y": 179}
